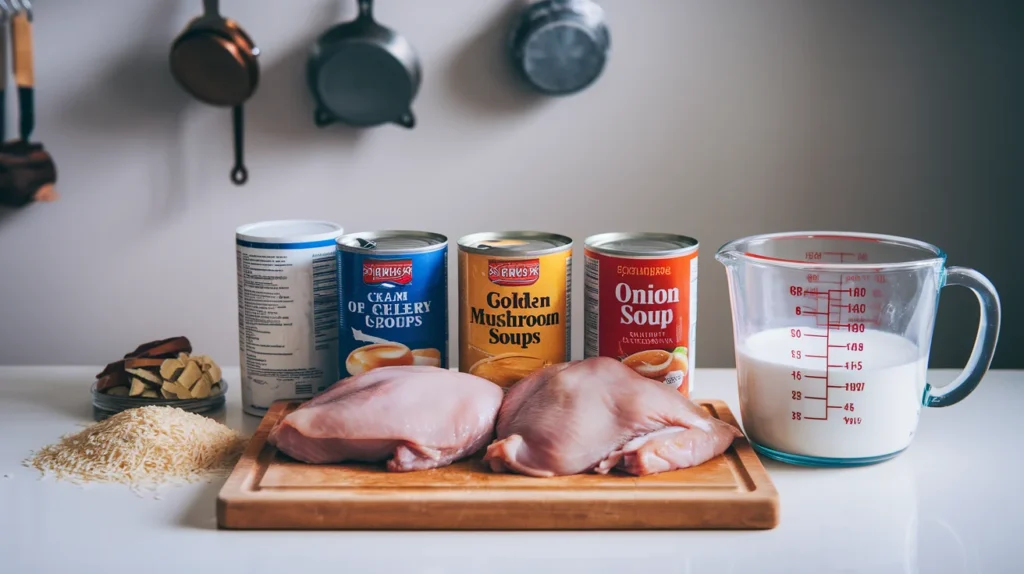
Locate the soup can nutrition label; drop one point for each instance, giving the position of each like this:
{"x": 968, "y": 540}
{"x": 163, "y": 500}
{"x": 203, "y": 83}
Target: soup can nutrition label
{"x": 514, "y": 303}
{"x": 393, "y": 300}
{"x": 640, "y": 303}
{"x": 287, "y": 310}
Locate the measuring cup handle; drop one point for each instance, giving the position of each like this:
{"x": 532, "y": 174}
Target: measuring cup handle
{"x": 984, "y": 344}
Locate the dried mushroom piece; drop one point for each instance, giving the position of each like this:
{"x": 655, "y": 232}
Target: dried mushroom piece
{"x": 150, "y": 394}
{"x": 215, "y": 374}
{"x": 142, "y": 363}
{"x": 190, "y": 375}
{"x": 171, "y": 369}
{"x": 145, "y": 375}
{"x": 112, "y": 376}
{"x": 162, "y": 348}
{"x": 202, "y": 389}
{"x": 118, "y": 391}
{"x": 138, "y": 387}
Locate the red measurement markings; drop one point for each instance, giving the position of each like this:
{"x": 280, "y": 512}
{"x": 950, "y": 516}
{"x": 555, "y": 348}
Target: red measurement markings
{"x": 833, "y": 304}
{"x": 827, "y": 343}
{"x": 842, "y": 255}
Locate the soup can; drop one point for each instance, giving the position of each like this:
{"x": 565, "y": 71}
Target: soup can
{"x": 514, "y": 303}
{"x": 287, "y": 310}
{"x": 640, "y": 303}
{"x": 393, "y": 300}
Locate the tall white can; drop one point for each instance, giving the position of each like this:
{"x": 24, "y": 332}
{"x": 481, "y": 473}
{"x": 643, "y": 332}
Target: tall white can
{"x": 287, "y": 310}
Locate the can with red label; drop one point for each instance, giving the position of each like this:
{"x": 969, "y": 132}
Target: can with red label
{"x": 393, "y": 300}
{"x": 640, "y": 303}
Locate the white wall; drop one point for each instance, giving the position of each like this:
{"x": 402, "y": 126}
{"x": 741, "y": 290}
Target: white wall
{"x": 714, "y": 119}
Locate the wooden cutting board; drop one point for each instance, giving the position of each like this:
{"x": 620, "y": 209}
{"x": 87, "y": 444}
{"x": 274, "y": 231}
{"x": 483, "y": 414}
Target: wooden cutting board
{"x": 268, "y": 490}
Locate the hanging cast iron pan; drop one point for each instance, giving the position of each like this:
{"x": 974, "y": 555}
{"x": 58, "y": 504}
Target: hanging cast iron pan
{"x": 363, "y": 74}
{"x": 215, "y": 61}
{"x": 560, "y": 47}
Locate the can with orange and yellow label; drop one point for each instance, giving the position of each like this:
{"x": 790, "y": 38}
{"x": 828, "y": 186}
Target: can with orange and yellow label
{"x": 514, "y": 303}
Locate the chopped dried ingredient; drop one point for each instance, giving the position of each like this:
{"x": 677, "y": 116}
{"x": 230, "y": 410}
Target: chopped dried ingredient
{"x": 180, "y": 378}
{"x": 144, "y": 447}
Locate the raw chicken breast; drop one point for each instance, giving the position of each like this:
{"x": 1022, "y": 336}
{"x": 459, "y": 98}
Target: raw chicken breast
{"x": 598, "y": 414}
{"x": 415, "y": 417}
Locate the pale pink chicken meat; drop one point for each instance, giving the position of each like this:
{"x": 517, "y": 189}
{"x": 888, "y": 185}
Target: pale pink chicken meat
{"x": 597, "y": 415}
{"x": 414, "y": 417}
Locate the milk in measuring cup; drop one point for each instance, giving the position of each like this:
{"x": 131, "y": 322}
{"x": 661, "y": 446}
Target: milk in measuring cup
{"x": 837, "y": 395}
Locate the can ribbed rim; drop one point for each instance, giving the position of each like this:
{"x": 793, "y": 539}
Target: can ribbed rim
{"x": 350, "y": 242}
{"x": 559, "y": 243}
{"x": 249, "y": 231}
{"x": 598, "y": 243}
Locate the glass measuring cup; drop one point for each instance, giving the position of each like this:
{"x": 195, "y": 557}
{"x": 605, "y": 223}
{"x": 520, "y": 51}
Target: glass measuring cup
{"x": 833, "y": 332}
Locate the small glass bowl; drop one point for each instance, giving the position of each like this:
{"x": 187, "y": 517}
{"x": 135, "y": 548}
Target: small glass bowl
{"x": 115, "y": 404}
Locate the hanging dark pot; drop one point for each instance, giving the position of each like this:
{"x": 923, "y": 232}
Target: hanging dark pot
{"x": 363, "y": 74}
{"x": 560, "y": 47}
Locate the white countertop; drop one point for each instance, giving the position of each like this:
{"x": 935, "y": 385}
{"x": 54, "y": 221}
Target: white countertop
{"x": 952, "y": 502}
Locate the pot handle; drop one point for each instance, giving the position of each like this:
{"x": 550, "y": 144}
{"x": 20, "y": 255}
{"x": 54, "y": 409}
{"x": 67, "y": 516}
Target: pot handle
{"x": 211, "y": 8}
{"x": 366, "y": 10}
{"x": 322, "y": 119}
{"x": 984, "y": 343}
{"x": 239, "y": 174}
{"x": 407, "y": 120}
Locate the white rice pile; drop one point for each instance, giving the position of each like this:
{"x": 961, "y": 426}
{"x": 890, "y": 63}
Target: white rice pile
{"x": 143, "y": 447}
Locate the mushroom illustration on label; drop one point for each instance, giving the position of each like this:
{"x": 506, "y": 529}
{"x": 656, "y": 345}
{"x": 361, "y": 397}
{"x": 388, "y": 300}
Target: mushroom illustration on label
{"x": 660, "y": 365}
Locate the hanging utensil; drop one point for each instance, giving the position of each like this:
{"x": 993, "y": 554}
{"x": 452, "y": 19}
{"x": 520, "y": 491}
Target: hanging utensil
{"x": 216, "y": 62}
{"x": 5, "y": 19}
{"x": 560, "y": 47}
{"x": 24, "y": 70}
{"x": 363, "y": 74}
{"x": 27, "y": 171}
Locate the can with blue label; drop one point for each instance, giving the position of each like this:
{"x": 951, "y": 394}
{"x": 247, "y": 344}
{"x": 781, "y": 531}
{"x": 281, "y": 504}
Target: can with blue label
{"x": 393, "y": 300}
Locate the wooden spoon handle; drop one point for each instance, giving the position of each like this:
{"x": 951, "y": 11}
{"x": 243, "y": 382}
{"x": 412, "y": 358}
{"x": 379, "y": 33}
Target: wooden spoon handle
{"x": 24, "y": 73}
{"x": 21, "y": 37}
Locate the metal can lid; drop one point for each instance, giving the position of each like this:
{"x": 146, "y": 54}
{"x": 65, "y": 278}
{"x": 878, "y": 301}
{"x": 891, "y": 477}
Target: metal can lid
{"x": 515, "y": 243}
{"x": 289, "y": 231}
{"x": 641, "y": 244}
{"x": 392, "y": 241}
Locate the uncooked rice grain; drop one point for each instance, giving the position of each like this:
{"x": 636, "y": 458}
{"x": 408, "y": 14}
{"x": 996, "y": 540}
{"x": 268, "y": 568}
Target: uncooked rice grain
{"x": 143, "y": 447}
